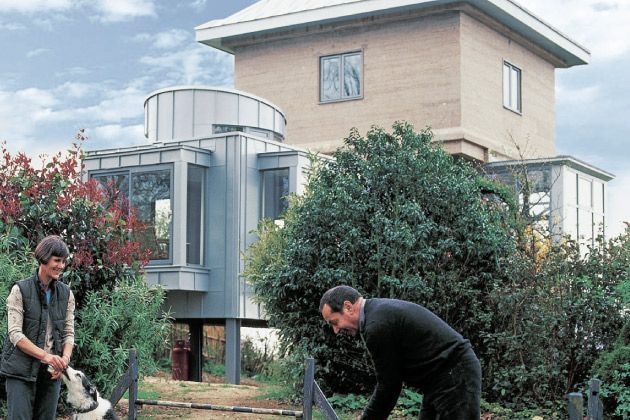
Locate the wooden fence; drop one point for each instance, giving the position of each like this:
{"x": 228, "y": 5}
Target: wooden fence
{"x": 594, "y": 409}
{"x": 313, "y": 395}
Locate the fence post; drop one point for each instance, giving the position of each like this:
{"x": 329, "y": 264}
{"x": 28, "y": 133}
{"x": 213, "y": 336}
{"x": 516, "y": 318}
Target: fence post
{"x": 309, "y": 379}
{"x": 595, "y": 409}
{"x": 133, "y": 386}
{"x": 576, "y": 406}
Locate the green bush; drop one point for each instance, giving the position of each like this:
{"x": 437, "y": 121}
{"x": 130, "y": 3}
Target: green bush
{"x": 395, "y": 216}
{"x": 392, "y": 215}
{"x": 112, "y": 322}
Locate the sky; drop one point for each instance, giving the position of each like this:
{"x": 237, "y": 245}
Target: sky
{"x": 67, "y": 65}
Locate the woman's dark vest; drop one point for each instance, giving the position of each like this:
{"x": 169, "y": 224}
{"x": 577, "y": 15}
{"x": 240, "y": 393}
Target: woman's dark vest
{"x": 18, "y": 364}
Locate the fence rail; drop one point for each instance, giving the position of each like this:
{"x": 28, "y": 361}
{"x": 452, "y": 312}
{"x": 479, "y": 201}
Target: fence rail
{"x": 313, "y": 395}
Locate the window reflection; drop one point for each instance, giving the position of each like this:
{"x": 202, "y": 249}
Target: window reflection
{"x": 275, "y": 193}
{"x": 151, "y": 197}
{"x": 149, "y": 192}
{"x": 340, "y": 76}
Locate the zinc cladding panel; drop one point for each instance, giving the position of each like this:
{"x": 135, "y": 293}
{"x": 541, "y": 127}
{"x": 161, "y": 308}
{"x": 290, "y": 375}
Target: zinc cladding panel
{"x": 165, "y": 116}
{"x": 130, "y": 160}
{"x": 204, "y": 112}
{"x": 247, "y": 111}
{"x": 227, "y": 113}
{"x": 266, "y": 117}
{"x": 183, "y": 114}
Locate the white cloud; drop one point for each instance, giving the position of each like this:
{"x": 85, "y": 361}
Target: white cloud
{"x": 114, "y": 107}
{"x": 568, "y": 97}
{"x": 601, "y": 26}
{"x": 195, "y": 64}
{"x": 115, "y": 135}
{"x": 198, "y": 5}
{"x": 37, "y": 51}
{"x": 11, "y": 26}
{"x": 167, "y": 39}
{"x": 77, "y": 90}
{"x": 123, "y": 10}
{"x": 32, "y": 6}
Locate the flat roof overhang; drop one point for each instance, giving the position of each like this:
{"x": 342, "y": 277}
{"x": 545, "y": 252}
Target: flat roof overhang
{"x": 254, "y": 22}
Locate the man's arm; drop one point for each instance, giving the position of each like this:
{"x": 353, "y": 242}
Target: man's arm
{"x": 382, "y": 347}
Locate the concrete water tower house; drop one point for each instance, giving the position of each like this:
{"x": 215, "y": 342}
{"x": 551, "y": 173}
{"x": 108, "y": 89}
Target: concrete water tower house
{"x": 215, "y": 167}
{"x": 480, "y": 73}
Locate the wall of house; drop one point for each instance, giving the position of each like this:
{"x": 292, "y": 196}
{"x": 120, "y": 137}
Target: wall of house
{"x": 233, "y": 201}
{"x": 498, "y": 129}
{"x": 215, "y": 289}
{"x": 442, "y": 70}
{"x": 411, "y": 71}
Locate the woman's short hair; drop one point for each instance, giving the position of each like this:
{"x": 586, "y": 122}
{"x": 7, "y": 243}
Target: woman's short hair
{"x": 336, "y": 296}
{"x": 50, "y": 246}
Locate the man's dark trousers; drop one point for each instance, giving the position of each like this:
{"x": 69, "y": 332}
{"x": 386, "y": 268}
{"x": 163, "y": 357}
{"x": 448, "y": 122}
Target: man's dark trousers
{"x": 455, "y": 393}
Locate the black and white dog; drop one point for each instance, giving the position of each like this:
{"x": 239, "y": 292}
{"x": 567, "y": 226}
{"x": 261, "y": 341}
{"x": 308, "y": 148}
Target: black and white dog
{"x": 84, "y": 399}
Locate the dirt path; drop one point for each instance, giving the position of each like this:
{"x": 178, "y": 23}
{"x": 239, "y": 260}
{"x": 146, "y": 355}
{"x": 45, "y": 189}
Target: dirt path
{"x": 160, "y": 388}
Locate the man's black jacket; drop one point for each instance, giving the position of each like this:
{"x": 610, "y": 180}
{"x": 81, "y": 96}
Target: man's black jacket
{"x": 407, "y": 343}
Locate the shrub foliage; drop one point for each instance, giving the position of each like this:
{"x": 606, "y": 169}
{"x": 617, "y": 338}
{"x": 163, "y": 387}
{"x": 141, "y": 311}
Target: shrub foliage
{"x": 115, "y": 309}
{"x": 393, "y": 215}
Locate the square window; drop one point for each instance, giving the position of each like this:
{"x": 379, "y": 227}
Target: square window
{"x": 512, "y": 87}
{"x": 149, "y": 193}
{"x": 341, "y": 77}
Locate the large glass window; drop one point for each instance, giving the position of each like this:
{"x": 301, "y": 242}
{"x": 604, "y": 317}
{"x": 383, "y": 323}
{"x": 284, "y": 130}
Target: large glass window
{"x": 149, "y": 192}
{"x": 194, "y": 215}
{"x": 512, "y": 87}
{"x": 341, "y": 77}
{"x": 275, "y": 192}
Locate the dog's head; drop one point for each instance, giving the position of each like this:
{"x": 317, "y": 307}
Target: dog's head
{"x": 82, "y": 395}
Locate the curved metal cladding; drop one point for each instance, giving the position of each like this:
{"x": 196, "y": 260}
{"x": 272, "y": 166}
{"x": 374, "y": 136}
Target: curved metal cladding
{"x": 188, "y": 112}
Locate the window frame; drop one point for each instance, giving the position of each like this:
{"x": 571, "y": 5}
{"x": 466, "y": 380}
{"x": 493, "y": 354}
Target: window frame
{"x": 508, "y": 87}
{"x": 130, "y": 171}
{"x": 263, "y": 192}
{"x": 202, "y": 215}
{"x": 342, "y": 57}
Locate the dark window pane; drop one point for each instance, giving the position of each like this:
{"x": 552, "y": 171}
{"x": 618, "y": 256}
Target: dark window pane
{"x": 194, "y": 215}
{"x": 275, "y": 192}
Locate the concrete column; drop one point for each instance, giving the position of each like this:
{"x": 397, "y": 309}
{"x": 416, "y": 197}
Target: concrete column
{"x": 233, "y": 351}
{"x": 195, "y": 360}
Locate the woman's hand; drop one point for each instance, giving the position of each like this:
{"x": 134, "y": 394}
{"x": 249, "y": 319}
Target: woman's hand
{"x": 56, "y": 362}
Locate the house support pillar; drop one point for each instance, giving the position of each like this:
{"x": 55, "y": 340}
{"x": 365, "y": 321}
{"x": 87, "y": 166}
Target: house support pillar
{"x": 233, "y": 351}
{"x": 195, "y": 360}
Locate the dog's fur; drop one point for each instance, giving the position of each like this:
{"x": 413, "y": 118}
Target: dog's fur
{"x": 84, "y": 399}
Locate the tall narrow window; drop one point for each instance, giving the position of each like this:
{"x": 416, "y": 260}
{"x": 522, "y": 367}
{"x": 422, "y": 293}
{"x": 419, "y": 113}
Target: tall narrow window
{"x": 151, "y": 197}
{"x": 275, "y": 192}
{"x": 512, "y": 87}
{"x": 194, "y": 215}
{"x": 341, "y": 77}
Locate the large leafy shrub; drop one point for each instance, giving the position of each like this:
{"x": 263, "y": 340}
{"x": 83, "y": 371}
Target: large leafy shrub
{"x": 393, "y": 215}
